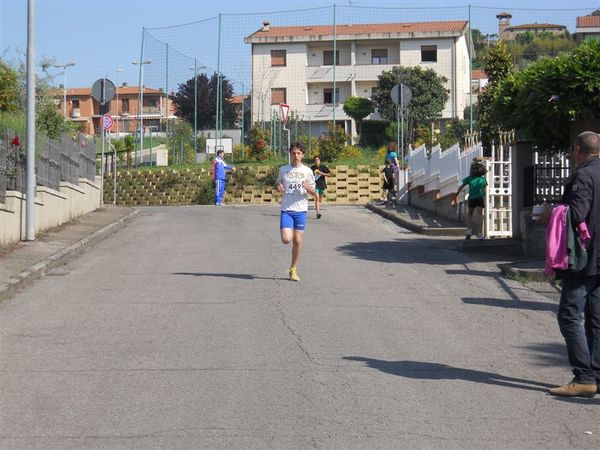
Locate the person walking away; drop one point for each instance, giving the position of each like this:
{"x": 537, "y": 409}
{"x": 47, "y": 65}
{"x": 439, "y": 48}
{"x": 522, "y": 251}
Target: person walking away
{"x": 392, "y": 155}
{"x": 580, "y": 294}
{"x": 389, "y": 187}
{"x": 320, "y": 171}
{"x": 476, "y": 204}
{"x": 220, "y": 168}
{"x": 295, "y": 181}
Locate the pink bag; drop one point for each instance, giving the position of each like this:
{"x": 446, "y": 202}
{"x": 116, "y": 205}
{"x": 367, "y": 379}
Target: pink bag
{"x": 557, "y": 256}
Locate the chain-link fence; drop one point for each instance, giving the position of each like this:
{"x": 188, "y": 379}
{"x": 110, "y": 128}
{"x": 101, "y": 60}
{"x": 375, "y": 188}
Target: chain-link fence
{"x": 234, "y": 70}
{"x": 57, "y": 160}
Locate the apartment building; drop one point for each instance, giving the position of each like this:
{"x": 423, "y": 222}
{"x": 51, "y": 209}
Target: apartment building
{"x": 294, "y": 65}
{"x": 82, "y": 107}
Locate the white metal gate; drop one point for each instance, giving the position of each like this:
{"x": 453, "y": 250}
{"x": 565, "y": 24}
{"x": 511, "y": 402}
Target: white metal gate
{"x": 498, "y": 209}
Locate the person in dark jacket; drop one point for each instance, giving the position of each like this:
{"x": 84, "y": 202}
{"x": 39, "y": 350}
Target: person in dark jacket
{"x": 581, "y": 289}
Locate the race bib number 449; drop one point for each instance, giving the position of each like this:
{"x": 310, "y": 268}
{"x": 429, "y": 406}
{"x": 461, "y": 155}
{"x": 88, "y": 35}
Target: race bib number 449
{"x": 294, "y": 187}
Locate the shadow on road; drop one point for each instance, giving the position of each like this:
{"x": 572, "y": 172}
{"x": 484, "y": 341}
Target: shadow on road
{"x": 547, "y": 354}
{"x": 406, "y": 251}
{"x": 511, "y": 303}
{"x": 434, "y": 371}
{"x": 239, "y": 276}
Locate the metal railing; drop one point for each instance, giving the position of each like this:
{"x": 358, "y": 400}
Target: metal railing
{"x": 57, "y": 160}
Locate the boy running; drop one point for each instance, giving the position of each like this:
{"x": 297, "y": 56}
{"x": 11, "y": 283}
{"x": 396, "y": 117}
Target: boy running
{"x": 320, "y": 171}
{"x": 295, "y": 181}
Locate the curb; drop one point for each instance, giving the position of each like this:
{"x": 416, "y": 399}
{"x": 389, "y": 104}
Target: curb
{"x": 428, "y": 231}
{"x": 29, "y": 275}
{"x": 511, "y": 271}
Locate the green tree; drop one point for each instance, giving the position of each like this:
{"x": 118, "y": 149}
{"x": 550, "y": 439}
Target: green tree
{"x": 206, "y": 102}
{"x": 428, "y": 88}
{"x": 358, "y": 108}
{"x": 9, "y": 88}
{"x": 498, "y": 66}
{"x": 545, "y": 99}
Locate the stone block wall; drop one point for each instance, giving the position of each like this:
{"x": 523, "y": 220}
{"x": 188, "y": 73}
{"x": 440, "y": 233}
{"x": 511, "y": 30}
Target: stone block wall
{"x": 346, "y": 186}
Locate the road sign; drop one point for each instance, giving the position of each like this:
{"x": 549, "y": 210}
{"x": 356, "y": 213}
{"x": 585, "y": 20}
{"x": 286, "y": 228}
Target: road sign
{"x": 284, "y": 112}
{"x": 103, "y": 90}
{"x": 107, "y": 122}
{"x": 401, "y": 98}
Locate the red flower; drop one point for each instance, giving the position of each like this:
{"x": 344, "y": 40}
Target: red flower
{"x": 16, "y": 141}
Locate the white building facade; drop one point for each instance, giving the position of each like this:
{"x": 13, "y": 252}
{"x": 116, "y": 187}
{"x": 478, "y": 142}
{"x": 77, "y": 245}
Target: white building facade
{"x": 294, "y": 65}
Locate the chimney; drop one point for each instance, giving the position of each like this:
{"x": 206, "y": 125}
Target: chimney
{"x": 61, "y": 86}
{"x": 266, "y": 25}
{"x": 124, "y": 83}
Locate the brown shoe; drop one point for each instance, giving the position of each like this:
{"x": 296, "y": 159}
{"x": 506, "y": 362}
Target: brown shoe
{"x": 575, "y": 390}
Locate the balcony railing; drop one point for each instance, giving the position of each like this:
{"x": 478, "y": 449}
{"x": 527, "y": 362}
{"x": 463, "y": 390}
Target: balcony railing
{"x": 359, "y": 72}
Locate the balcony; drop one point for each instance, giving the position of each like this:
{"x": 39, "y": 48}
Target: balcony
{"x": 365, "y": 72}
{"x": 75, "y": 113}
{"x": 324, "y": 111}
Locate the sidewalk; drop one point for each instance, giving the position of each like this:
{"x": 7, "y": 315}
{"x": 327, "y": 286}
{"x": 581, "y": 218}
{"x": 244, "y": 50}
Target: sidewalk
{"x": 23, "y": 262}
{"x": 423, "y": 222}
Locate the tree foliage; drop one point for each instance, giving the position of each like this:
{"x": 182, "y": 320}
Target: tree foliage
{"x": 429, "y": 93}
{"x": 206, "y": 98}
{"x": 498, "y": 66}
{"x": 543, "y": 100}
{"x": 9, "y": 88}
{"x": 358, "y": 108}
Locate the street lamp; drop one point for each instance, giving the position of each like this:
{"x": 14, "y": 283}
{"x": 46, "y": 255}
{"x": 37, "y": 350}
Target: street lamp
{"x": 141, "y": 103}
{"x": 117, "y": 92}
{"x": 64, "y": 66}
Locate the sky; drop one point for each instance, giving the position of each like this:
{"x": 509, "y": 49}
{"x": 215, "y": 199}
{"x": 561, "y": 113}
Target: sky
{"x": 104, "y": 37}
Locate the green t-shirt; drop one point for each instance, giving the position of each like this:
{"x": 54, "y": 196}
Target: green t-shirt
{"x": 476, "y": 186}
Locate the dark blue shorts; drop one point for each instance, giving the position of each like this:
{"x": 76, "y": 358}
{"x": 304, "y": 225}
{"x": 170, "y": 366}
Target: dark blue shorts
{"x": 293, "y": 219}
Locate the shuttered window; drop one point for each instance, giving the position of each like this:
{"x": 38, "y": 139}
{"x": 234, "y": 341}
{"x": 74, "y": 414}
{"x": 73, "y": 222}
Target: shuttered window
{"x": 379, "y": 56}
{"x": 278, "y": 95}
{"x": 428, "y": 53}
{"x": 328, "y": 58}
{"x": 278, "y": 58}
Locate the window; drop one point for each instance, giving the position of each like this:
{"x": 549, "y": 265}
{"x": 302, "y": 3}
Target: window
{"x": 75, "y": 103}
{"x": 278, "y": 58}
{"x": 328, "y": 95}
{"x": 374, "y": 91}
{"x": 428, "y": 53}
{"x": 379, "y": 56}
{"x": 328, "y": 57}
{"x": 125, "y": 105}
{"x": 278, "y": 95}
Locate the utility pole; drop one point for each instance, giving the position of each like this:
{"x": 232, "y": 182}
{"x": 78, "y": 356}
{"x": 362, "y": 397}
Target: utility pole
{"x": 30, "y": 133}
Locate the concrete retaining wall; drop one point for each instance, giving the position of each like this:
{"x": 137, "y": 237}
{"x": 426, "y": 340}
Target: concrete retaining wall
{"x": 52, "y": 208}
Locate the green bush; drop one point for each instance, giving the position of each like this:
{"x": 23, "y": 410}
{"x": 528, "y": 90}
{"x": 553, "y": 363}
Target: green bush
{"x": 351, "y": 151}
{"x": 332, "y": 143}
{"x": 241, "y": 152}
{"x": 259, "y": 148}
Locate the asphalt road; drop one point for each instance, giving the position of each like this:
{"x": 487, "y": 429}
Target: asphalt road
{"x": 182, "y": 331}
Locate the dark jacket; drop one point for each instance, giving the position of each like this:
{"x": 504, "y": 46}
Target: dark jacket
{"x": 582, "y": 194}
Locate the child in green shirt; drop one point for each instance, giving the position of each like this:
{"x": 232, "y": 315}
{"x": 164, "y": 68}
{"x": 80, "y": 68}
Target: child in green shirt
{"x": 477, "y": 184}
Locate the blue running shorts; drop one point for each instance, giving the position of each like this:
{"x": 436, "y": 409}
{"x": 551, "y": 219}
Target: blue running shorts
{"x": 293, "y": 219}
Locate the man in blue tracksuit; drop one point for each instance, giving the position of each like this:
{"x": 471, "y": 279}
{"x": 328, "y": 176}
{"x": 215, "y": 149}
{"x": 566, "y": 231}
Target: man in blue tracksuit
{"x": 219, "y": 176}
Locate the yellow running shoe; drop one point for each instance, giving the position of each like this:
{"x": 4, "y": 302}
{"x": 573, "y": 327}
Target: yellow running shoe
{"x": 294, "y": 274}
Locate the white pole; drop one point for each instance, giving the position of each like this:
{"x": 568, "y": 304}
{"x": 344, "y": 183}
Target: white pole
{"x": 30, "y": 133}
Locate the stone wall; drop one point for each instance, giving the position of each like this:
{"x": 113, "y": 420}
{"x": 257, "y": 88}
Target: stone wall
{"x": 346, "y": 186}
